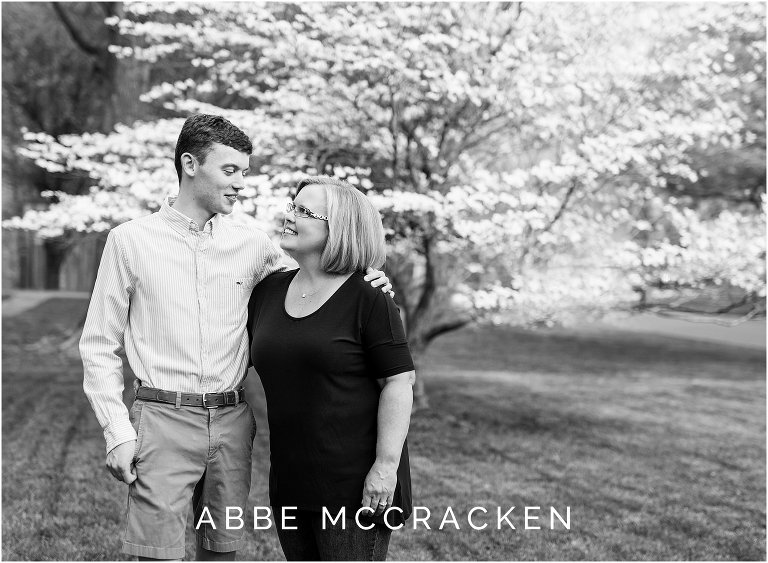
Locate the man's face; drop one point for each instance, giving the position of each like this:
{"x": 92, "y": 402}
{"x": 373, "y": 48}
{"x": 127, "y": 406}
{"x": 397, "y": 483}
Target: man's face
{"x": 218, "y": 180}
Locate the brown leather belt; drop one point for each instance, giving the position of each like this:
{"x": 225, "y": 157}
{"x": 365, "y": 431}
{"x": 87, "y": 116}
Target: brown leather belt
{"x": 207, "y": 400}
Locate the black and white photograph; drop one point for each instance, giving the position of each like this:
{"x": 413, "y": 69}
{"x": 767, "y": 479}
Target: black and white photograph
{"x": 369, "y": 281}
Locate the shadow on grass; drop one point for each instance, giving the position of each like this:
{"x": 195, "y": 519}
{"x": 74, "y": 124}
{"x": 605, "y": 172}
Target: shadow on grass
{"x": 592, "y": 354}
{"x": 657, "y": 445}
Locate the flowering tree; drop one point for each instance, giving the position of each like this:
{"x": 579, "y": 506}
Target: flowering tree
{"x": 520, "y": 155}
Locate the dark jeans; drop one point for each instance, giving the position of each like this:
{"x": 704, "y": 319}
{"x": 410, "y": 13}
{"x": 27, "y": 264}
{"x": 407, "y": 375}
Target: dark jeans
{"x": 311, "y": 543}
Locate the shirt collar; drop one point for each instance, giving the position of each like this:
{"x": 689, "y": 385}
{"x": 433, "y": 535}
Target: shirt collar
{"x": 184, "y": 224}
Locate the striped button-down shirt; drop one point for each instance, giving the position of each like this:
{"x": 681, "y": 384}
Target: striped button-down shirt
{"x": 174, "y": 297}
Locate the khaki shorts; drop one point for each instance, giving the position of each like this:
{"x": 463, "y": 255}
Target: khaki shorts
{"x": 189, "y": 453}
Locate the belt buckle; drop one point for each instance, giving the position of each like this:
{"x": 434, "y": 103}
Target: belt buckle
{"x": 211, "y": 406}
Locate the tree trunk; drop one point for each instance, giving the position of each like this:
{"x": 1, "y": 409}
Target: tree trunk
{"x": 420, "y": 398}
{"x": 55, "y": 253}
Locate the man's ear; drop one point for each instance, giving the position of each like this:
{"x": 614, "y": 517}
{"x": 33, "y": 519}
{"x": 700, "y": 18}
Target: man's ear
{"x": 188, "y": 164}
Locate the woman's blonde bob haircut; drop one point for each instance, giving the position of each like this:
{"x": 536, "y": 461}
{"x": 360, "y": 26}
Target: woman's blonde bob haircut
{"x": 355, "y": 233}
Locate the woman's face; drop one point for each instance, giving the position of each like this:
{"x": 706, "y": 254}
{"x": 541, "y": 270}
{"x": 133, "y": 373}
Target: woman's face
{"x": 306, "y": 235}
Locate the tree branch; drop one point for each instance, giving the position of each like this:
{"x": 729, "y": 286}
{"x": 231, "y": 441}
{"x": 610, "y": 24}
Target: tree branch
{"x": 527, "y": 230}
{"x": 429, "y": 280}
{"x": 470, "y": 143}
{"x": 75, "y": 33}
{"x": 393, "y": 123}
{"x": 20, "y": 99}
{"x": 400, "y": 293}
{"x": 563, "y": 206}
{"x": 710, "y": 317}
{"x": 452, "y": 120}
{"x": 109, "y": 8}
{"x": 746, "y": 300}
{"x": 509, "y": 30}
{"x": 420, "y": 149}
{"x": 408, "y": 161}
{"x": 443, "y": 328}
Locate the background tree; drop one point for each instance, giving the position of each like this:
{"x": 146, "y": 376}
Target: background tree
{"x": 60, "y": 76}
{"x": 524, "y": 157}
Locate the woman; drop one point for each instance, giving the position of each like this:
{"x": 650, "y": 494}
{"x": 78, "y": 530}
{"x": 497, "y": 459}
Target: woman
{"x": 337, "y": 372}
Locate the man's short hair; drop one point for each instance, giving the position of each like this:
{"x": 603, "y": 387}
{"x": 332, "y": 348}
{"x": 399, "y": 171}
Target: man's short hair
{"x": 355, "y": 233}
{"x": 200, "y": 131}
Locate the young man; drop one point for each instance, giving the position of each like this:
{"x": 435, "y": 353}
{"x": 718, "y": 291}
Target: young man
{"x": 172, "y": 291}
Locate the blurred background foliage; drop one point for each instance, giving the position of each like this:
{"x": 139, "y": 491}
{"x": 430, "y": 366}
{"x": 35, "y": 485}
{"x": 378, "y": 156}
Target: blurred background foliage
{"x": 535, "y": 164}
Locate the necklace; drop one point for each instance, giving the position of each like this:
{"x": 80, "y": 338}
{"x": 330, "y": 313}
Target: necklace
{"x": 305, "y": 295}
{"x": 307, "y": 298}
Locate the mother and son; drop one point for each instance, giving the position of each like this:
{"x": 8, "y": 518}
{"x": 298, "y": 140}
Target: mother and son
{"x": 193, "y": 299}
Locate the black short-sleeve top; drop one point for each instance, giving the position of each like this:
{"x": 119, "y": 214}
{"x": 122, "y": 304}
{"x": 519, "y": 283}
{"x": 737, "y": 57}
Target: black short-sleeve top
{"x": 319, "y": 374}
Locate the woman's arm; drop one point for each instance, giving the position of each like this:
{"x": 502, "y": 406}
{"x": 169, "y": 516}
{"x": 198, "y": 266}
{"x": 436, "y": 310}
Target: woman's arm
{"x": 394, "y": 417}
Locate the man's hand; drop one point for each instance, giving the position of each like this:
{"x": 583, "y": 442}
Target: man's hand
{"x": 120, "y": 462}
{"x": 378, "y": 279}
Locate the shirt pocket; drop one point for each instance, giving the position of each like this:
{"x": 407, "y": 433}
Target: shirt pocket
{"x": 230, "y": 299}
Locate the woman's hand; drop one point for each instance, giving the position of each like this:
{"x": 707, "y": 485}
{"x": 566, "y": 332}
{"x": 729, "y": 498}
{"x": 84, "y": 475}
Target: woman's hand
{"x": 379, "y": 488}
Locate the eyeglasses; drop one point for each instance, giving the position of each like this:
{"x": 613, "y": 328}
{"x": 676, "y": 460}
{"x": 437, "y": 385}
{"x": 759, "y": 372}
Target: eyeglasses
{"x": 301, "y": 211}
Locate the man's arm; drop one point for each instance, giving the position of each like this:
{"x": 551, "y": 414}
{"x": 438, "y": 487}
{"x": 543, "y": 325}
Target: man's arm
{"x": 269, "y": 259}
{"x": 273, "y": 260}
{"x": 100, "y": 344}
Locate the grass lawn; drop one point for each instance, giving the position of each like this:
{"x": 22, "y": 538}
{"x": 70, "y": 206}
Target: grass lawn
{"x": 656, "y": 444}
